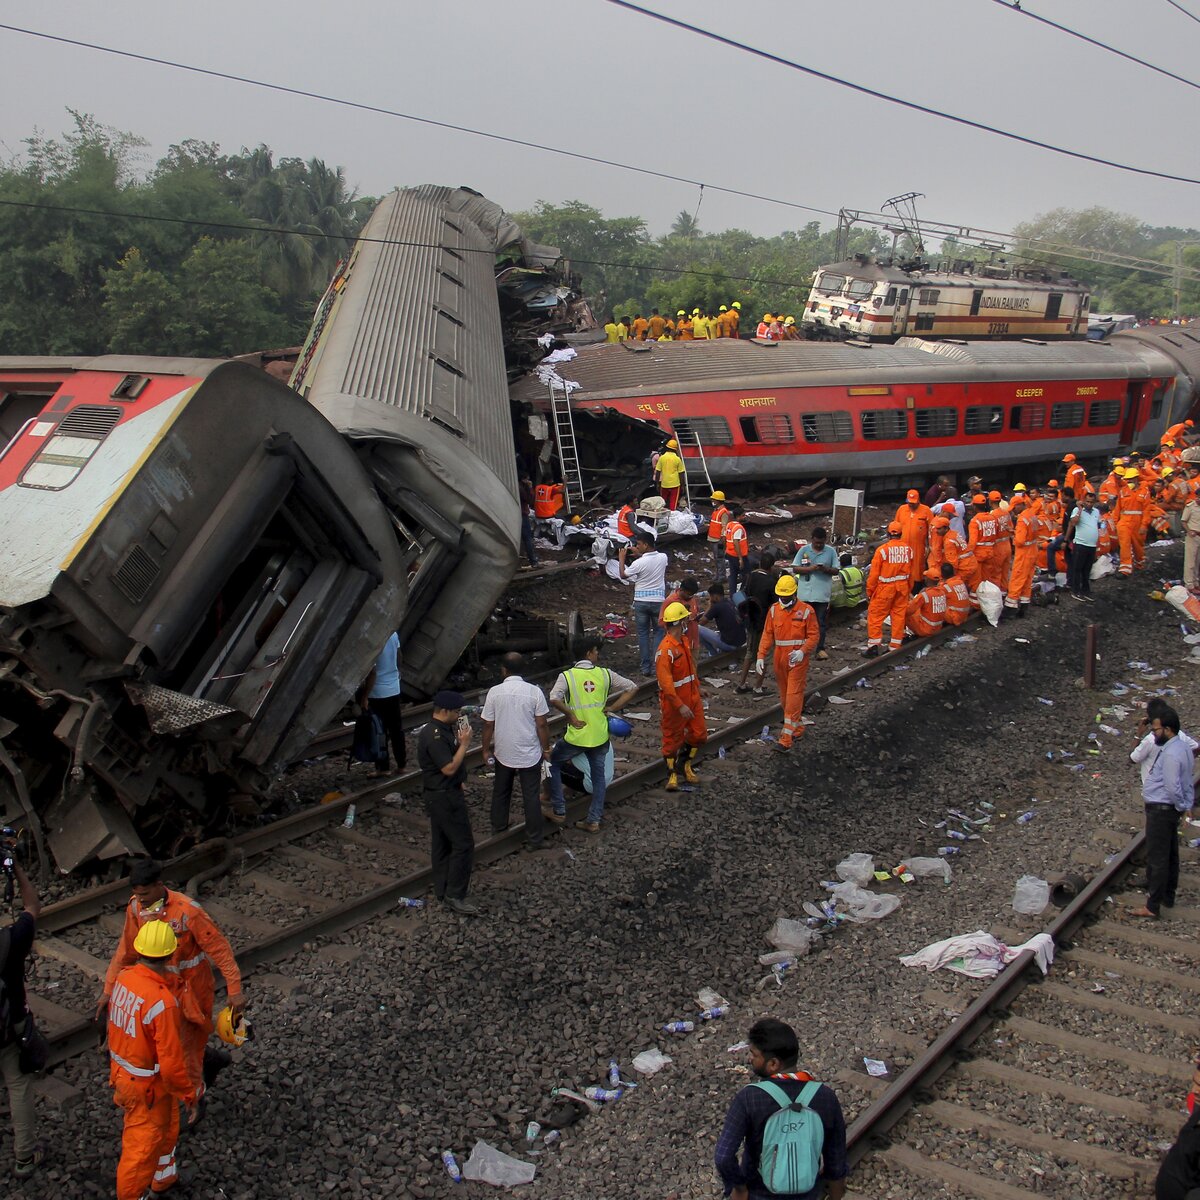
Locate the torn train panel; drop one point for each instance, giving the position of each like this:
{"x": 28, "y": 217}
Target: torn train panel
{"x": 194, "y": 575}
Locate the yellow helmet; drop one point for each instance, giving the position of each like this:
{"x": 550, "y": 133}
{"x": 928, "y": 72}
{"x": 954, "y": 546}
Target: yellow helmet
{"x": 155, "y": 939}
{"x": 228, "y": 1032}
{"x": 1168, "y": 470}
{"x": 738, "y": 305}
{"x": 672, "y": 445}
{"x": 789, "y": 320}
{"x": 786, "y": 585}
{"x": 725, "y": 308}
{"x": 768, "y": 317}
{"x": 1132, "y": 473}
{"x": 695, "y": 312}
{"x": 1118, "y": 462}
{"x": 1020, "y": 487}
{"x": 717, "y": 496}
{"x": 676, "y": 612}
{"x": 576, "y": 519}
{"x": 681, "y": 313}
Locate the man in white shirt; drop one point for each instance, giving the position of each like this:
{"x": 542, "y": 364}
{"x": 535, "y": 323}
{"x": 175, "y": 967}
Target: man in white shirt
{"x": 516, "y": 740}
{"x": 648, "y": 574}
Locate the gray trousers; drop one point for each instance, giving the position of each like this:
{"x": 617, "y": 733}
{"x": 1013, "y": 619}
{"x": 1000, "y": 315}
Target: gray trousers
{"x": 20, "y": 1098}
{"x": 1191, "y": 552}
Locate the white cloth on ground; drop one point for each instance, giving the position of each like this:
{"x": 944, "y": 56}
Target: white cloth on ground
{"x": 979, "y": 954}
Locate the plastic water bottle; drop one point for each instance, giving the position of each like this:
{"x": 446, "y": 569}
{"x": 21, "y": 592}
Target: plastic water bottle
{"x": 954, "y": 833}
{"x": 351, "y": 813}
{"x": 679, "y": 1026}
{"x": 599, "y": 1093}
{"x": 1025, "y": 818}
{"x": 711, "y": 1014}
{"x": 552, "y": 1137}
{"x": 452, "y": 1168}
{"x": 946, "y": 851}
{"x": 409, "y": 902}
{"x": 614, "y": 1073}
{"x": 531, "y": 1132}
{"x": 721, "y": 752}
{"x": 1194, "y": 843}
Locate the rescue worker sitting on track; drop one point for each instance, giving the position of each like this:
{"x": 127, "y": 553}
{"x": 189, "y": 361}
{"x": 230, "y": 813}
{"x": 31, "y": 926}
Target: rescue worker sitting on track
{"x": 681, "y": 705}
{"x": 793, "y": 630}
{"x": 888, "y": 589}
{"x": 926, "y": 611}
{"x": 958, "y": 600}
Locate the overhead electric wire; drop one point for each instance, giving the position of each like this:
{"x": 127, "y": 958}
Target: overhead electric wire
{"x": 362, "y": 106}
{"x": 1015, "y": 6}
{"x": 912, "y": 105}
{"x": 1184, "y": 11}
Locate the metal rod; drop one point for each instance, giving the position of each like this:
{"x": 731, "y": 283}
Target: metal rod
{"x": 1090, "y": 655}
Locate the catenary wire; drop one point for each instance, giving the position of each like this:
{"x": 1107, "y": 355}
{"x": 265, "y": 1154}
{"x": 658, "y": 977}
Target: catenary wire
{"x": 1185, "y": 12}
{"x": 361, "y": 106}
{"x": 1016, "y": 7}
{"x": 912, "y": 105}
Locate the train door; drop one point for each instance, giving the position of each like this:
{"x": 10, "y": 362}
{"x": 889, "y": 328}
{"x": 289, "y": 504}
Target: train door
{"x": 1135, "y": 405}
{"x": 900, "y": 312}
{"x": 1053, "y": 306}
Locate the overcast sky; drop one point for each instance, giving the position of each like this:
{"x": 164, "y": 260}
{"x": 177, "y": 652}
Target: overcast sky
{"x": 584, "y": 75}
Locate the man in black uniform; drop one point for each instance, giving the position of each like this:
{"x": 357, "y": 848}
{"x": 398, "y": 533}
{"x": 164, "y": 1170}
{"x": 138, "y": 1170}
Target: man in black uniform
{"x": 441, "y": 748}
{"x": 16, "y": 941}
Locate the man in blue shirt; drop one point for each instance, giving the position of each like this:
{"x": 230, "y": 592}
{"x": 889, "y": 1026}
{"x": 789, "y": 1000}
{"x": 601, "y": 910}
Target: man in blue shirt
{"x": 774, "y": 1052}
{"x": 1167, "y": 792}
{"x": 815, "y": 566}
{"x": 381, "y": 694}
{"x": 1084, "y": 530}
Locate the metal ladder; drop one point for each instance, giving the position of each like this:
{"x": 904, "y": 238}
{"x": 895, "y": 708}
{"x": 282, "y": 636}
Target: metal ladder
{"x": 691, "y": 439}
{"x": 568, "y": 452}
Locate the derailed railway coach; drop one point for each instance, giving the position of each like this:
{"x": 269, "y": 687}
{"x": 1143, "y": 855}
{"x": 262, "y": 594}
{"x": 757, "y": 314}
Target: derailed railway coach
{"x": 199, "y": 563}
{"x": 195, "y": 572}
{"x": 892, "y": 414}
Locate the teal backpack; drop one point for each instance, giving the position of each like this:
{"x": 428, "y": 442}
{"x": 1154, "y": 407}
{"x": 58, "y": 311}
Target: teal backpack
{"x": 792, "y": 1141}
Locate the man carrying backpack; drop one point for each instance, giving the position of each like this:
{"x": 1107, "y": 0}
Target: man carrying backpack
{"x": 791, "y": 1126}
{"x": 16, "y": 941}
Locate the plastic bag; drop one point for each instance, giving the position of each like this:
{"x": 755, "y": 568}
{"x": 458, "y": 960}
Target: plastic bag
{"x": 860, "y": 905}
{"x": 793, "y": 936}
{"x": 650, "y": 1062}
{"x": 857, "y": 868}
{"x": 925, "y": 867}
{"x": 489, "y": 1165}
{"x": 706, "y": 997}
{"x": 1180, "y": 598}
{"x": 991, "y": 601}
{"x": 1031, "y": 895}
{"x": 1102, "y": 566}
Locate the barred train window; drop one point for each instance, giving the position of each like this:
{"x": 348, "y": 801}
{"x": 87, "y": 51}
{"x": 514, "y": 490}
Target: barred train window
{"x": 708, "y": 431}
{"x": 1104, "y": 412}
{"x": 885, "y": 425}
{"x": 936, "y": 422}
{"x": 828, "y": 427}
{"x": 1067, "y": 416}
{"x": 983, "y": 419}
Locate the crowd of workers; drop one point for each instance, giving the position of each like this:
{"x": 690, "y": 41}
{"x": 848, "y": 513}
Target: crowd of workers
{"x": 698, "y": 325}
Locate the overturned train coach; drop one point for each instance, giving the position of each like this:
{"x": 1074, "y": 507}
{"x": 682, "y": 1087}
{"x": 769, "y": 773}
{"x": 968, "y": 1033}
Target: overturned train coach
{"x": 198, "y": 566}
{"x": 889, "y": 413}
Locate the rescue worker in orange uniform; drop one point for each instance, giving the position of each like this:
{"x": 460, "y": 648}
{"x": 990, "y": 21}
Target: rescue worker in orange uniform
{"x": 735, "y": 317}
{"x": 956, "y": 550}
{"x": 1074, "y": 476}
{"x": 1050, "y": 517}
{"x": 1177, "y": 433}
{"x": 681, "y": 706}
{"x": 685, "y": 594}
{"x": 1110, "y": 489}
{"x": 716, "y": 528}
{"x": 1002, "y": 547}
{"x": 913, "y": 517}
{"x": 626, "y": 516}
{"x": 763, "y": 332}
{"x": 958, "y": 599}
{"x": 926, "y": 611}
{"x": 655, "y": 326}
{"x": 1107, "y": 541}
{"x": 737, "y": 550}
{"x": 889, "y": 585}
{"x": 937, "y": 548}
{"x": 982, "y": 533}
{"x": 1131, "y": 517}
{"x": 1025, "y": 553}
{"x": 683, "y": 327}
{"x": 148, "y": 1068}
{"x": 793, "y": 629}
{"x": 189, "y": 969}
{"x": 1175, "y": 494}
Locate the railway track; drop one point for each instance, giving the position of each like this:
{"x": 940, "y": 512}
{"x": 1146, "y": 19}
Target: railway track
{"x": 1061, "y": 1081}
{"x": 278, "y": 888}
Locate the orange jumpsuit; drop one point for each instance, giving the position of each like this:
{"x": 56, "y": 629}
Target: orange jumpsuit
{"x": 914, "y": 521}
{"x": 1176, "y": 433}
{"x": 1108, "y": 534}
{"x": 678, "y": 687}
{"x": 926, "y": 612}
{"x": 962, "y": 558}
{"x": 1050, "y": 517}
{"x": 1131, "y": 528}
{"x": 1025, "y": 553}
{"x": 958, "y": 600}
{"x": 982, "y": 534}
{"x": 789, "y": 630}
{"x": 149, "y": 1075}
{"x": 1111, "y": 487}
{"x": 189, "y": 972}
{"x": 693, "y": 622}
{"x": 683, "y": 331}
{"x": 889, "y": 585}
{"x": 937, "y": 555}
{"x": 1074, "y": 479}
{"x": 1002, "y": 548}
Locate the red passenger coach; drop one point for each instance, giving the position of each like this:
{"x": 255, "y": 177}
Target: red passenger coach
{"x": 914, "y": 408}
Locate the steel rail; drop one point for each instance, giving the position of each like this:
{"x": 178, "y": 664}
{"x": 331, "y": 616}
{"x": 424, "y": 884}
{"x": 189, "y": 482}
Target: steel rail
{"x": 987, "y": 1008}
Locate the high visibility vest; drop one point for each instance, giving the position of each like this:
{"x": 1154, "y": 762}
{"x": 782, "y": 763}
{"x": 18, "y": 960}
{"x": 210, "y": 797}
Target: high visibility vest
{"x": 736, "y": 547}
{"x": 587, "y": 694}
{"x": 547, "y": 499}
{"x": 624, "y": 525}
{"x": 853, "y": 590}
{"x": 717, "y": 523}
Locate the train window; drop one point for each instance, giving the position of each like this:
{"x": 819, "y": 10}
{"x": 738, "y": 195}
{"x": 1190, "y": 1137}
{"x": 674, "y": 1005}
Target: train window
{"x": 774, "y": 428}
{"x": 1156, "y": 404}
{"x": 708, "y": 431}
{"x": 859, "y": 289}
{"x": 1104, "y": 412}
{"x": 891, "y": 297}
{"x": 982, "y": 419}
{"x": 1028, "y": 417}
{"x": 828, "y": 427}
{"x": 924, "y": 322}
{"x": 929, "y": 296}
{"x": 885, "y": 425}
{"x": 936, "y": 422}
{"x": 67, "y": 451}
{"x": 976, "y": 301}
{"x": 1067, "y": 416}
{"x": 1053, "y": 308}
{"x": 831, "y": 285}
